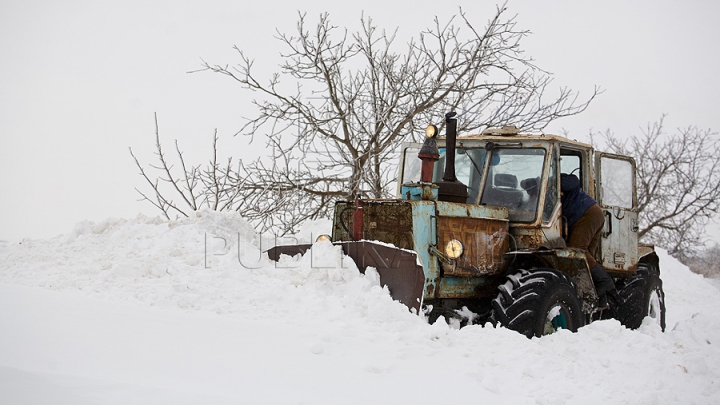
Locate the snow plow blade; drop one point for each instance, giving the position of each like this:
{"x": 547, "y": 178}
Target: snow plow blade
{"x": 398, "y": 268}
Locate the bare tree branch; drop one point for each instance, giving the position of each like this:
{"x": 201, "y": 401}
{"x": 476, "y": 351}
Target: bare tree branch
{"x": 678, "y": 183}
{"x": 342, "y": 103}
{"x": 215, "y": 187}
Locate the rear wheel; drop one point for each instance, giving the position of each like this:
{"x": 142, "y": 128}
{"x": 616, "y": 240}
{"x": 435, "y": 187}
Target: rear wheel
{"x": 639, "y": 297}
{"x": 538, "y": 302}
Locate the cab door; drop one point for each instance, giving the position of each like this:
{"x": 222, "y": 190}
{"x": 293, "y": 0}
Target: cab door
{"x": 617, "y": 196}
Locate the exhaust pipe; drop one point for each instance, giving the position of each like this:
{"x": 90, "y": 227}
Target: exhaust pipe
{"x": 450, "y": 188}
{"x": 450, "y": 139}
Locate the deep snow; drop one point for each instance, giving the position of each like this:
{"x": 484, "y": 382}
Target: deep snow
{"x": 189, "y": 311}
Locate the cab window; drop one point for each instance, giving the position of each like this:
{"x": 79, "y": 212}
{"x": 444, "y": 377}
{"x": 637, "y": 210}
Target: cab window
{"x": 513, "y": 181}
{"x": 469, "y": 164}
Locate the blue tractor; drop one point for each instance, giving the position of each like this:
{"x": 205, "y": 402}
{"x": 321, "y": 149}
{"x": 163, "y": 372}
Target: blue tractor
{"x": 477, "y": 223}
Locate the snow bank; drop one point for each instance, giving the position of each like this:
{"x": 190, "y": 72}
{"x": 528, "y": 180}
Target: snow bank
{"x": 213, "y": 262}
{"x": 188, "y": 311}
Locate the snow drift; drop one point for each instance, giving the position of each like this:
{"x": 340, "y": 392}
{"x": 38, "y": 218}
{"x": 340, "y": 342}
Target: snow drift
{"x": 191, "y": 311}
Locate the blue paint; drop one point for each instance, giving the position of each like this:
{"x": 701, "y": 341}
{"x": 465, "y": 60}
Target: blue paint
{"x": 425, "y": 235}
{"x": 424, "y": 219}
{"x": 419, "y": 191}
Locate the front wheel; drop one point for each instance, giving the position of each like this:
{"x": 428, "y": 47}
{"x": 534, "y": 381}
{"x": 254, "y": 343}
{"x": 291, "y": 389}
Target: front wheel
{"x": 538, "y": 302}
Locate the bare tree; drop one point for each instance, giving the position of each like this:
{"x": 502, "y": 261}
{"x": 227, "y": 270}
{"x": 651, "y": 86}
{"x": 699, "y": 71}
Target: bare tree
{"x": 678, "y": 184}
{"x": 217, "y": 186}
{"x": 341, "y": 104}
{"x": 706, "y": 262}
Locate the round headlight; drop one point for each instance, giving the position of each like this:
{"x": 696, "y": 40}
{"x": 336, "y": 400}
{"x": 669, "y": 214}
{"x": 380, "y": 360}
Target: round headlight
{"x": 322, "y": 238}
{"x": 454, "y": 249}
{"x": 431, "y": 131}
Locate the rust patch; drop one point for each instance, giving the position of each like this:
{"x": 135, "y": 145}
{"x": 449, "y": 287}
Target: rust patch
{"x": 430, "y": 290}
{"x": 388, "y": 221}
{"x": 528, "y": 239}
{"x": 485, "y": 241}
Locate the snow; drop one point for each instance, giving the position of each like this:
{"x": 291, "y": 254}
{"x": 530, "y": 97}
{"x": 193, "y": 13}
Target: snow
{"x": 147, "y": 311}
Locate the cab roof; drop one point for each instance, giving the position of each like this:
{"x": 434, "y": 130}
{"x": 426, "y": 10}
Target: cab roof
{"x": 521, "y": 137}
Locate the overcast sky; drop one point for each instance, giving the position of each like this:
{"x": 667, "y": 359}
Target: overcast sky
{"x": 80, "y": 82}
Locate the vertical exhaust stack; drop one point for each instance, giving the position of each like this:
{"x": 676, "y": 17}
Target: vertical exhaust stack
{"x": 450, "y": 140}
{"x": 451, "y": 189}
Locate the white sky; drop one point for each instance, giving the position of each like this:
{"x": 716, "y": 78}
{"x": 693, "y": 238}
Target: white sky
{"x": 81, "y": 80}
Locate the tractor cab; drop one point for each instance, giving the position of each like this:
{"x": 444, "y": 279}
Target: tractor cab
{"x": 521, "y": 172}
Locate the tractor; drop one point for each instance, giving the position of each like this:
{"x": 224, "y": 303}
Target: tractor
{"x": 477, "y": 228}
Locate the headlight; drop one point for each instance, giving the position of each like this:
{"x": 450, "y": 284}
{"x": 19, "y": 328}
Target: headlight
{"x": 322, "y": 238}
{"x": 454, "y": 249}
{"x": 431, "y": 131}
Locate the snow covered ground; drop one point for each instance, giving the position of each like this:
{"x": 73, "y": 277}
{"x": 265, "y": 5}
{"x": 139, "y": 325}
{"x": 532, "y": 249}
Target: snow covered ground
{"x": 146, "y": 311}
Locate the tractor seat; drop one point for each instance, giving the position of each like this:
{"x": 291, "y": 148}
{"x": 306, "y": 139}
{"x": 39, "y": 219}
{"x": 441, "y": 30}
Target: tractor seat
{"x": 504, "y": 192}
{"x": 506, "y": 181}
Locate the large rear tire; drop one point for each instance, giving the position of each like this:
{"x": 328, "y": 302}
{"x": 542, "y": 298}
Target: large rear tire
{"x": 639, "y": 297}
{"x": 538, "y": 302}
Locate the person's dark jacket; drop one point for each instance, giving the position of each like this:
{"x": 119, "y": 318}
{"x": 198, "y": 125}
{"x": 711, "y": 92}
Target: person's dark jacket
{"x": 575, "y": 202}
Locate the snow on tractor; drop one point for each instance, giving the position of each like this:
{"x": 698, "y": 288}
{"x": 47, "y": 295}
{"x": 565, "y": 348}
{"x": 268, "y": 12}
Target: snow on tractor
{"x": 477, "y": 223}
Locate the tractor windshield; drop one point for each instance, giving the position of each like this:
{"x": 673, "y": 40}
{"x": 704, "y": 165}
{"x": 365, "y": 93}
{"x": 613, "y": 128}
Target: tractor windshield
{"x": 514, "y": 181}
